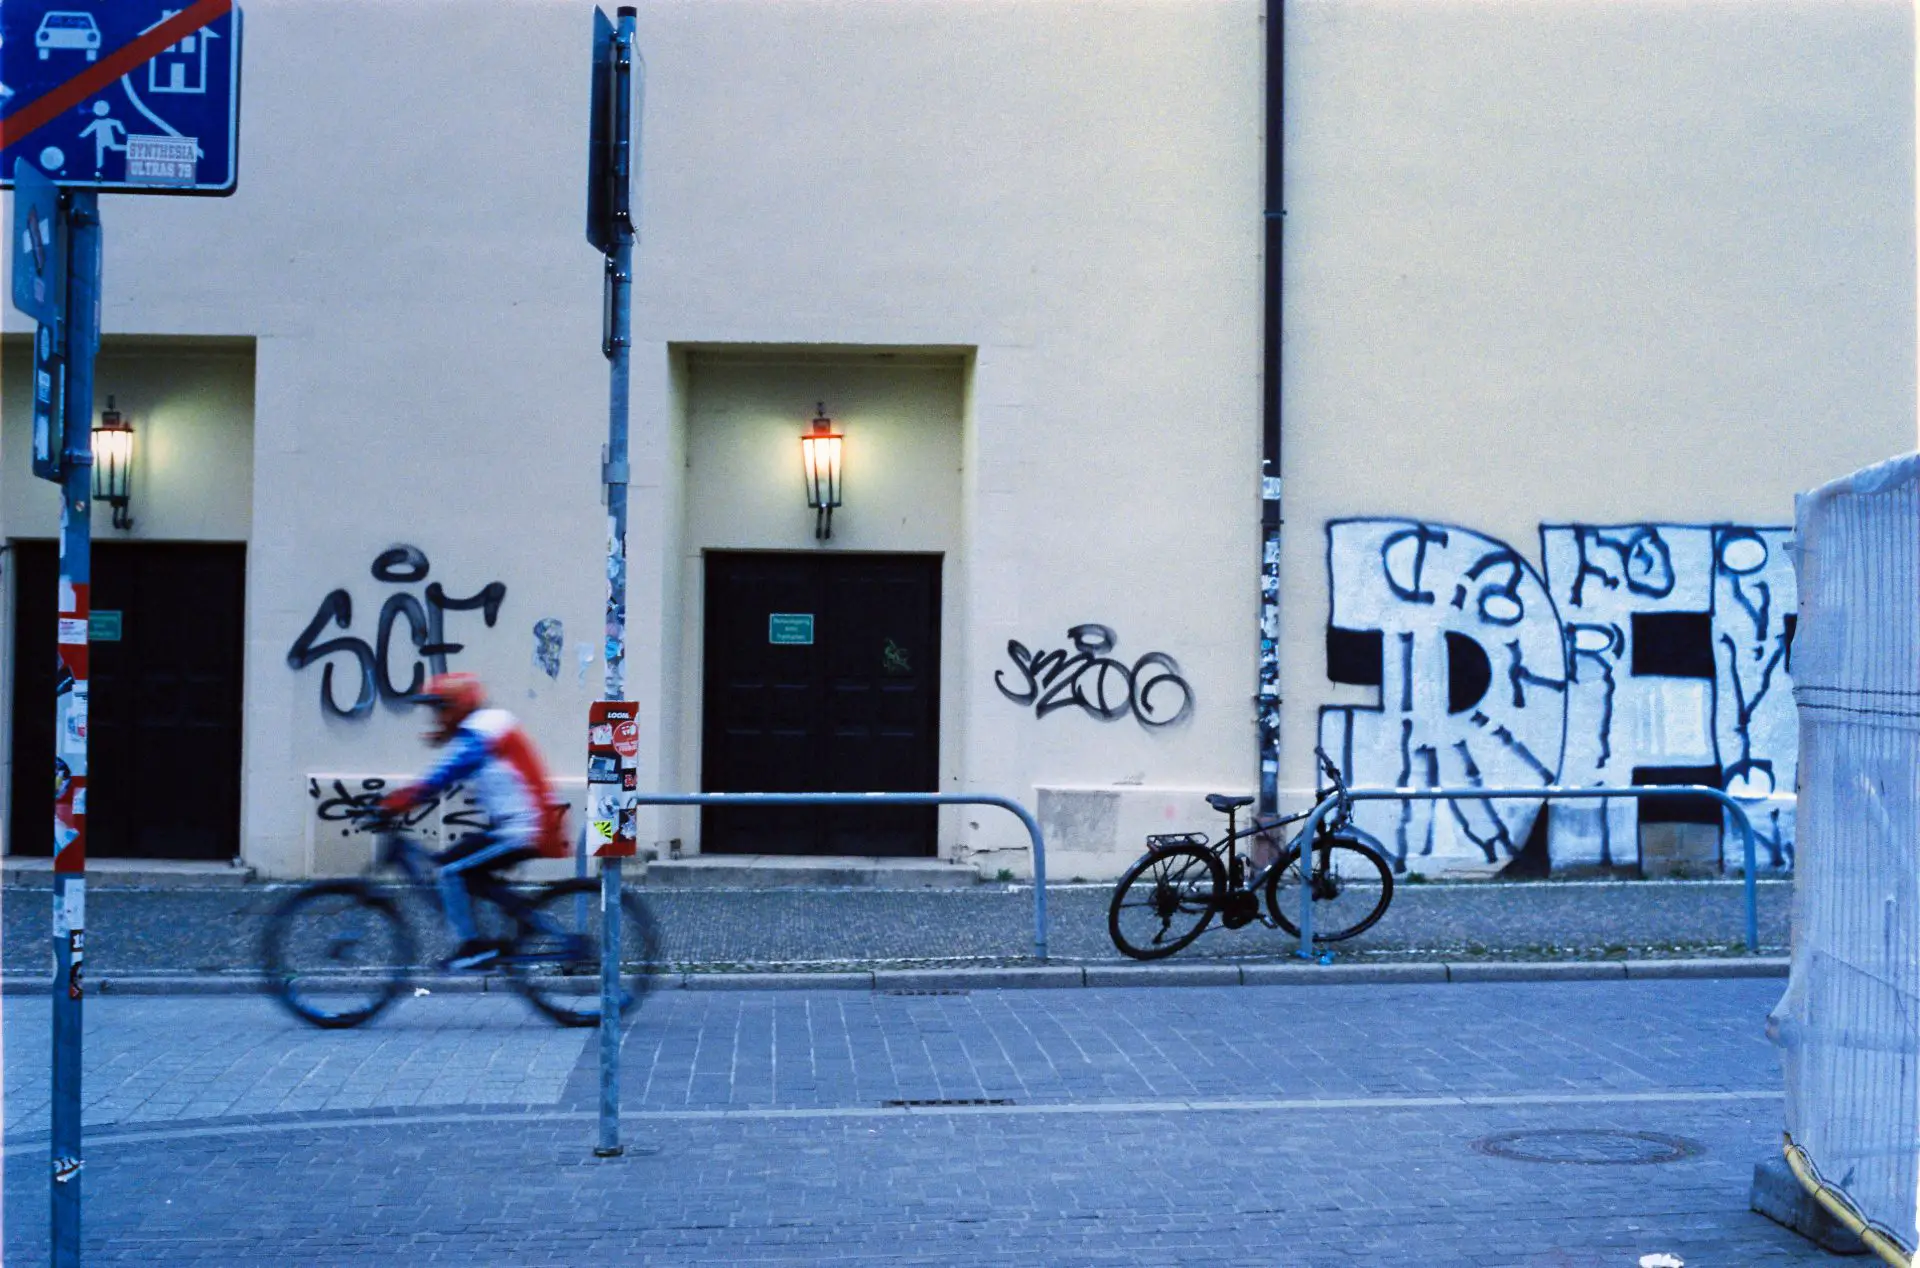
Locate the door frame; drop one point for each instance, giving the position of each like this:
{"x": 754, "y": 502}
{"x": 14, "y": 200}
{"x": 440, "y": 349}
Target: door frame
{"x": 941, "y": 625}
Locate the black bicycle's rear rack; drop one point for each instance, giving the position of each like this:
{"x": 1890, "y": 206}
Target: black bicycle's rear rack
{"x": 1167, "y": 840}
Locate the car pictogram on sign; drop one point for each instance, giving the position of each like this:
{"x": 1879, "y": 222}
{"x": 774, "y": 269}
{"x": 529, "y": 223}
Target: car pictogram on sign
{"x": 64, "y": 29}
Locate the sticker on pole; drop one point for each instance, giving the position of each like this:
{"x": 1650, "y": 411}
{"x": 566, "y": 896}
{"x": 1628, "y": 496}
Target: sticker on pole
{"x": 613, "y": 777}
{"x": 137, "y": 96}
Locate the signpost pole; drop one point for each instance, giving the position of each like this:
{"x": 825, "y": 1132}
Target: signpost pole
{"x": 619, "y": 347}
{"x": 70, "y": 718}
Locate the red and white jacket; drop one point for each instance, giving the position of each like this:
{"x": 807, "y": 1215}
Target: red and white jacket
{"x": 490, "y": 754}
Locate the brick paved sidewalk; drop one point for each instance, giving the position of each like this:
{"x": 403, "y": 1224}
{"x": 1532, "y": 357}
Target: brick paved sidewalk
{"x": 1163, "y": 1126}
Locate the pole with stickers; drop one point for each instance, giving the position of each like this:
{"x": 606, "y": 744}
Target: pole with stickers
{"x": 56, "y": 280}
{"x": 136, "y": 97}
{"x": 613, "y": 723}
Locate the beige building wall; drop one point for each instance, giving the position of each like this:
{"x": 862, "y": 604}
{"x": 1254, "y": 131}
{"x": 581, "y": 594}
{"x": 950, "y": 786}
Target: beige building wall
{"x": 1566, "y": 264}
{"x": 922, "y": 177}
{"x": 1601, "y": 264}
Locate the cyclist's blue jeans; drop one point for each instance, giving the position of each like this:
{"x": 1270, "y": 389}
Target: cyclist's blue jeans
{"x": 476, "y": 852}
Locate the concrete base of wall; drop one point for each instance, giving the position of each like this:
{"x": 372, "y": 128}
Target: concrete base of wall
{"x": 130, "y": 873}
{"x": 1780, "y": 1197}
{"x": 774, "y": 871}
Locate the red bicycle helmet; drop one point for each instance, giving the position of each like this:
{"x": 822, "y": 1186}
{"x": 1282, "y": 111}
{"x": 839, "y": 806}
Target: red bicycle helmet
{"x": 452, "y": 697}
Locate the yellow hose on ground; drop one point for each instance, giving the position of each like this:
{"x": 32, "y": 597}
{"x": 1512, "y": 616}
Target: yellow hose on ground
{"x": 1879, "y": 1240}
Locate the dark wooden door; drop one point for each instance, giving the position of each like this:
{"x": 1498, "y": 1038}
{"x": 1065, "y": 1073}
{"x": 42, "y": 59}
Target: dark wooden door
{"x": 163, "y": 757}
{"x": 822, "y": 675}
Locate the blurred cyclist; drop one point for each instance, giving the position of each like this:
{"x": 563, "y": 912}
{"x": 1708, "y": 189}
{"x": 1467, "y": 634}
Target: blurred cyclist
{"x": 488, "y": 752}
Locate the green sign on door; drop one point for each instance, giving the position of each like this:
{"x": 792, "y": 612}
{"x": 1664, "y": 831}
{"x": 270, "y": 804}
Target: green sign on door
{"x": 103, "y": 626}
{"x": 792, "y": 628}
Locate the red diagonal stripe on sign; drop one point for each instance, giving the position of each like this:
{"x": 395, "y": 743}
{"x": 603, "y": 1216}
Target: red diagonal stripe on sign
{"x": 122, "y": 61}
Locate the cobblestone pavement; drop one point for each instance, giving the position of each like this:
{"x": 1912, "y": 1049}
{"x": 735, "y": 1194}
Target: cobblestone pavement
{"x": 131, "y": 930}
{"x": 1343, "y": 1126}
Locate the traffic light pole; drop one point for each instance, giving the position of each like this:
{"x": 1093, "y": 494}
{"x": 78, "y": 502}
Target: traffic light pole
{"x": 82, "y": 209}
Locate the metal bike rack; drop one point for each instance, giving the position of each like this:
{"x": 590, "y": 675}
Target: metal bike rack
{"x": 890, "y": 799}
{"x": 1549, "y": 793}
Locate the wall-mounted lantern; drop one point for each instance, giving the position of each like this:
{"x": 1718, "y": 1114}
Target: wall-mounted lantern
{"x": 113, "y": 464}
{"x": 820, "y": 455}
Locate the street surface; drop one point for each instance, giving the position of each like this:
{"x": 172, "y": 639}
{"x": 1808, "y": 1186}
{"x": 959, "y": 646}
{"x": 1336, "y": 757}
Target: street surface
{"x": 1338, "y": 1126}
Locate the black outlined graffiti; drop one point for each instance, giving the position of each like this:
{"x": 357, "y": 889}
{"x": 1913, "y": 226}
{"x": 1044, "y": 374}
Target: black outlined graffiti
{"x": 352, "y": 805}
{"x": 373, "y": 663}
{"x": 1644, "y": 562}
{"x": 1151, "y": 689}
{"x": 1422, "y": 536}
{"x": 1669, "y": 649}
{"x": 1468, "y": 666}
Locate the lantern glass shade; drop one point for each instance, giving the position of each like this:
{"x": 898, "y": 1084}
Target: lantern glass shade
{"x": 820, "y": 453}
{"x": 113, "y": 464}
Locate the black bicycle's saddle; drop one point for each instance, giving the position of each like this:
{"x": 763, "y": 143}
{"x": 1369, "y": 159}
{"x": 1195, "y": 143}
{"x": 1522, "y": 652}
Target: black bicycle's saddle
{"x": 1224, "y": 803}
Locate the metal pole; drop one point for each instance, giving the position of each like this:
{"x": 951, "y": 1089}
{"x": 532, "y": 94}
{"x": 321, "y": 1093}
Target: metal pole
{"x": 891, "y": 799}
{"x": 70, "y": 719}
{"x": 619, "y": 352}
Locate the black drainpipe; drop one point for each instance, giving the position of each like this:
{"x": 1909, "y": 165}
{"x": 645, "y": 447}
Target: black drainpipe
{"x": 1268, "y": 700}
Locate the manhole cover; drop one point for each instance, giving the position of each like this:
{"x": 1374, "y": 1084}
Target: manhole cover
{"x": 1588, "y": 1148}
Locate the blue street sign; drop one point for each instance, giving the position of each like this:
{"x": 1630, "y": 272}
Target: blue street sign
{"x": 49, "y": 399}
{"x": 136, "y": 96}
{"x": 600, "y": 136}
{"x": 39, "y": 246}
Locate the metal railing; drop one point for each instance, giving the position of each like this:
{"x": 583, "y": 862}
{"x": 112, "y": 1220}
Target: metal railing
{"x": 890, "y": 799}
{"x": 1549, "y": 793}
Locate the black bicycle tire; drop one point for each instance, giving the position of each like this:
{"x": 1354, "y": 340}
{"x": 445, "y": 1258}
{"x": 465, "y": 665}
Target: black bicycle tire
{"x": 1343, "y": 842}
{"x": 635, "y": 982}
{"x": 281, "y": 978}
{"x": 1114, "y": 906}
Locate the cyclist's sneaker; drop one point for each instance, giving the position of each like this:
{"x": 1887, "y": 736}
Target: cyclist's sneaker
{"x": 475, "y": 953}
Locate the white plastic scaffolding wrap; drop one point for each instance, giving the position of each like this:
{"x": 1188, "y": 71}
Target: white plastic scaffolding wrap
{"x": 1849, "y": 1023}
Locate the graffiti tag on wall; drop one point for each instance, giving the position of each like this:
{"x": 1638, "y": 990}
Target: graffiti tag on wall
{"x": 426, "y": 634}
{"x": 347, "y": 806}
{"x": 1645, "y": 653}
{"x": 1150, "y": 690}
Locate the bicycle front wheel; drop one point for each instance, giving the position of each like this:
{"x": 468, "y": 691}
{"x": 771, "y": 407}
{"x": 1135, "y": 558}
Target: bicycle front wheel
{"x": 336, "y": 953}
{"x": 555, "y": 961}
{"x": 1165, "y": 901}
{"x": 1352, "y": 885}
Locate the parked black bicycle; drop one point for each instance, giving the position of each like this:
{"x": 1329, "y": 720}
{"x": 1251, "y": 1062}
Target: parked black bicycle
{"x": 1170, "y": 896}
{"x": 338, "y": 952}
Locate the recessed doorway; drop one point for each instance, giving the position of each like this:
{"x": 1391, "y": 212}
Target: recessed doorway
{"x": 165, "y": 665}
{"x": 822, "y": 674}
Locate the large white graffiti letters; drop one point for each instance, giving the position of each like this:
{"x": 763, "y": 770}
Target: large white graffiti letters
{"x": 426, "y": 631}
{"x": 1673, "y": 644}
{"x": 1457, "y": 633}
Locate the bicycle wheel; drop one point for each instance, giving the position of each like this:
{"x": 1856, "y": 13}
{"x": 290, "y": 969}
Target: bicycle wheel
{"x": 1165, "y": 901}
{"x": 336, "y": 953}
{"x": 1350, "y": 892}
{"x": 555, "y": 960}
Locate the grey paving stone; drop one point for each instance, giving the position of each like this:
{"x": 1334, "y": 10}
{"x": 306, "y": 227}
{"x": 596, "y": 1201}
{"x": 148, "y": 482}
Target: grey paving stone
{"x": 1548, "y": 971}
{"x": 982, "y": 979}
{"x": 1177, "y": 974}
{"x": 861, "y": 981}
{"x": 1339, "y": 974}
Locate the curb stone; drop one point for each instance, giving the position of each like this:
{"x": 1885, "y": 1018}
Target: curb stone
{"x": 1046, "y": 976}
{"x": 1550, "y": 971}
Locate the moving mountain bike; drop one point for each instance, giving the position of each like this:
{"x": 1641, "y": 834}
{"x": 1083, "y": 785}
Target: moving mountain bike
{"x": 1170, "y": 896}
{"x": 337, "y": 952}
